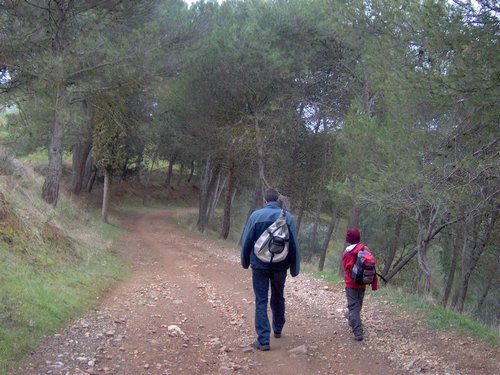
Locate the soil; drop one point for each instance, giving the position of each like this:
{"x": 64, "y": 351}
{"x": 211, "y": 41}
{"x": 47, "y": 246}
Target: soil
{"x": 187, "y": 308}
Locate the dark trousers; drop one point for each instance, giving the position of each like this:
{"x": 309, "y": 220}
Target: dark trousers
{"x": 355, "y": 298}
{"x": 261, "y": 279}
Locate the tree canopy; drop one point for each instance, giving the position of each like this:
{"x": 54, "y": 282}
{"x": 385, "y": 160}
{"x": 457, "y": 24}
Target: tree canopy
{"x": 376, "y": 113}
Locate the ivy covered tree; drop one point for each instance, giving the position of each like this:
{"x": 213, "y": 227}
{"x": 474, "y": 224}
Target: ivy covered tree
{"x": 112, "y": 123}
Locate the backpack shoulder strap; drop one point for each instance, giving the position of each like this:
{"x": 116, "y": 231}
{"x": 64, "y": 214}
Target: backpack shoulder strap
{"x": 280, "y": 221}
{"x": 358, "y": 247}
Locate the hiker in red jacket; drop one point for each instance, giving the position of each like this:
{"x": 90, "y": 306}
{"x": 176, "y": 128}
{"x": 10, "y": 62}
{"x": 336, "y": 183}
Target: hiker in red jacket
{"x": 355, "y": 292}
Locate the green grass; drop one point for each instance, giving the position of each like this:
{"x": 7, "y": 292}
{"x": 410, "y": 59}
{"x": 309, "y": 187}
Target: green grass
{"x": 322, "y": 275}
{"x": 437, "y": 317}
{"x": 41, "y": 155}
{"x": 36, "y": 299}
{"x": 55, "y": 263}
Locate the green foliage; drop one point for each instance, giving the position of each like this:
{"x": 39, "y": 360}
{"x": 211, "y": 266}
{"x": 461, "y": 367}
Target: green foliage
{"x": 112, "y": 125}
{"x": 391, "y": 107}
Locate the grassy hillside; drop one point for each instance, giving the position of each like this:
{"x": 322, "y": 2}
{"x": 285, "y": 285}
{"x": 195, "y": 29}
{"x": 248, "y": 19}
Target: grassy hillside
{"x": 55, "y": 262}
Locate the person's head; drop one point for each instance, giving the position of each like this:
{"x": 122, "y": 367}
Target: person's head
{"x": 353, "y": 235}
{"x": 271, "y": 195}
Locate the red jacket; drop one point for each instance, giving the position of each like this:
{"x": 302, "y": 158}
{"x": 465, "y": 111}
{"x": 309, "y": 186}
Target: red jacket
{"x": 348, "y": 260}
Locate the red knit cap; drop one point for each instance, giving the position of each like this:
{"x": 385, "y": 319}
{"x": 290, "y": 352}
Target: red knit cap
{"x": 353, "y": 236}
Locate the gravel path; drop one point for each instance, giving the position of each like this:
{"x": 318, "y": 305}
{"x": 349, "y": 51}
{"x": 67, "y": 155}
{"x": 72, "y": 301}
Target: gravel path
{"x": 187, "y": 308}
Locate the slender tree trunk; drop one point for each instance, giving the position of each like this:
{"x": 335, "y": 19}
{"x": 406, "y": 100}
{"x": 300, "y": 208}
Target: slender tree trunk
{"x": 148, "y": 178}
{"x": 215, "y": 193}
{"x": 495, "y": 266}
{"x": 170, "y": 169}
{"x": 425, "y": 235}
{"x": 484, "y": 294}
{"x": 399, "y": 265}
{"x": 50, "y": 190}
{"x": 450, "y": 277}
{"x": 482, "y": 230}
{"x": 88, "y": 171}
{"x": 459, "y": 298}
{"x": 105, "y": 196}
{"x": 317, "y": 220}
{"x": 324, "y": 247}
{"x": 181, "y": 172}
{"x": 228, "y": 201}
{"x": 80, "y": 155}
{"x": 209, "y": 201}
{"x": 454, "y": 301}
{"x": 394, "y": 245}
{"x": 202, "y": 211}
{"x": 191, "y": 172}
{"x": 354, "y": 218}
{"x": 422, "y": 261}
{"x": 260, "y": 154}
{"x": 300, "y": 216}
{"x": 92, "y": 179}
{"x": 257, "y": 196}
{"x": 418, "y": 282}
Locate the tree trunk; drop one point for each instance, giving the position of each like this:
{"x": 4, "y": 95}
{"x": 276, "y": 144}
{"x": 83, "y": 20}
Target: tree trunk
{"x": 228, "y": 200}
{"x": 181, "y": 172}
{"x": 422, "y": 261}
{"x": 215, "y": 193}
{"x": 495, "y": 266}
{"x": 257, "y": 196}
{"x": 401, "y": 264}
{"x": 324, "y": 247}
{"x": 80, "y": 155}
{"x": 354, "y": 218}
{"x": 425, "y": 235}
{"x": 191, "y": 172}
{"x": 105, "y": 196}
{"x": 300, "y": 216}
{"x": 148, "y": 178}
{"x": 316, "y": 224}
{"x": 169, "y": 171}
{"x": 88, "y": 171}
{"x": 394, "y": 245}
{"x": 50, "y": 190}
{"x": 481, "y": 233}
{"x": 450, "y": 277}
{"x": 92, "y": 179}
{"x": 260, "y": 154}
{"x": 203, "y": 205}
{"x": 484, "y": 294}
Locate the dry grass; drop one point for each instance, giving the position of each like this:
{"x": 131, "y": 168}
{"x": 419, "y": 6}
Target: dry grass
{"x": 55, "y": 261}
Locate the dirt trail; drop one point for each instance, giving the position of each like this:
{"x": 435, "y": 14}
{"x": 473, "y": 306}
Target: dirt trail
{"x": 188, "y": 309}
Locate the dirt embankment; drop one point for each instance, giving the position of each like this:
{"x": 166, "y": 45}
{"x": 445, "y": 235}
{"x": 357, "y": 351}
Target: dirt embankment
{"x": 188, "y": 309}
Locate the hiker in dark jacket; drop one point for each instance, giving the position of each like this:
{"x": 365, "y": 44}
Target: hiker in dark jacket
{"x": 355, "y": 293}
{"x": 265, "y": 274}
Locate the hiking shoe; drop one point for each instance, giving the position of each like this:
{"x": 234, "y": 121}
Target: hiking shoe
{"x": 277, "y": 335}
{"x": 257, "y": 345}
{"x": 358, "y": 338}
